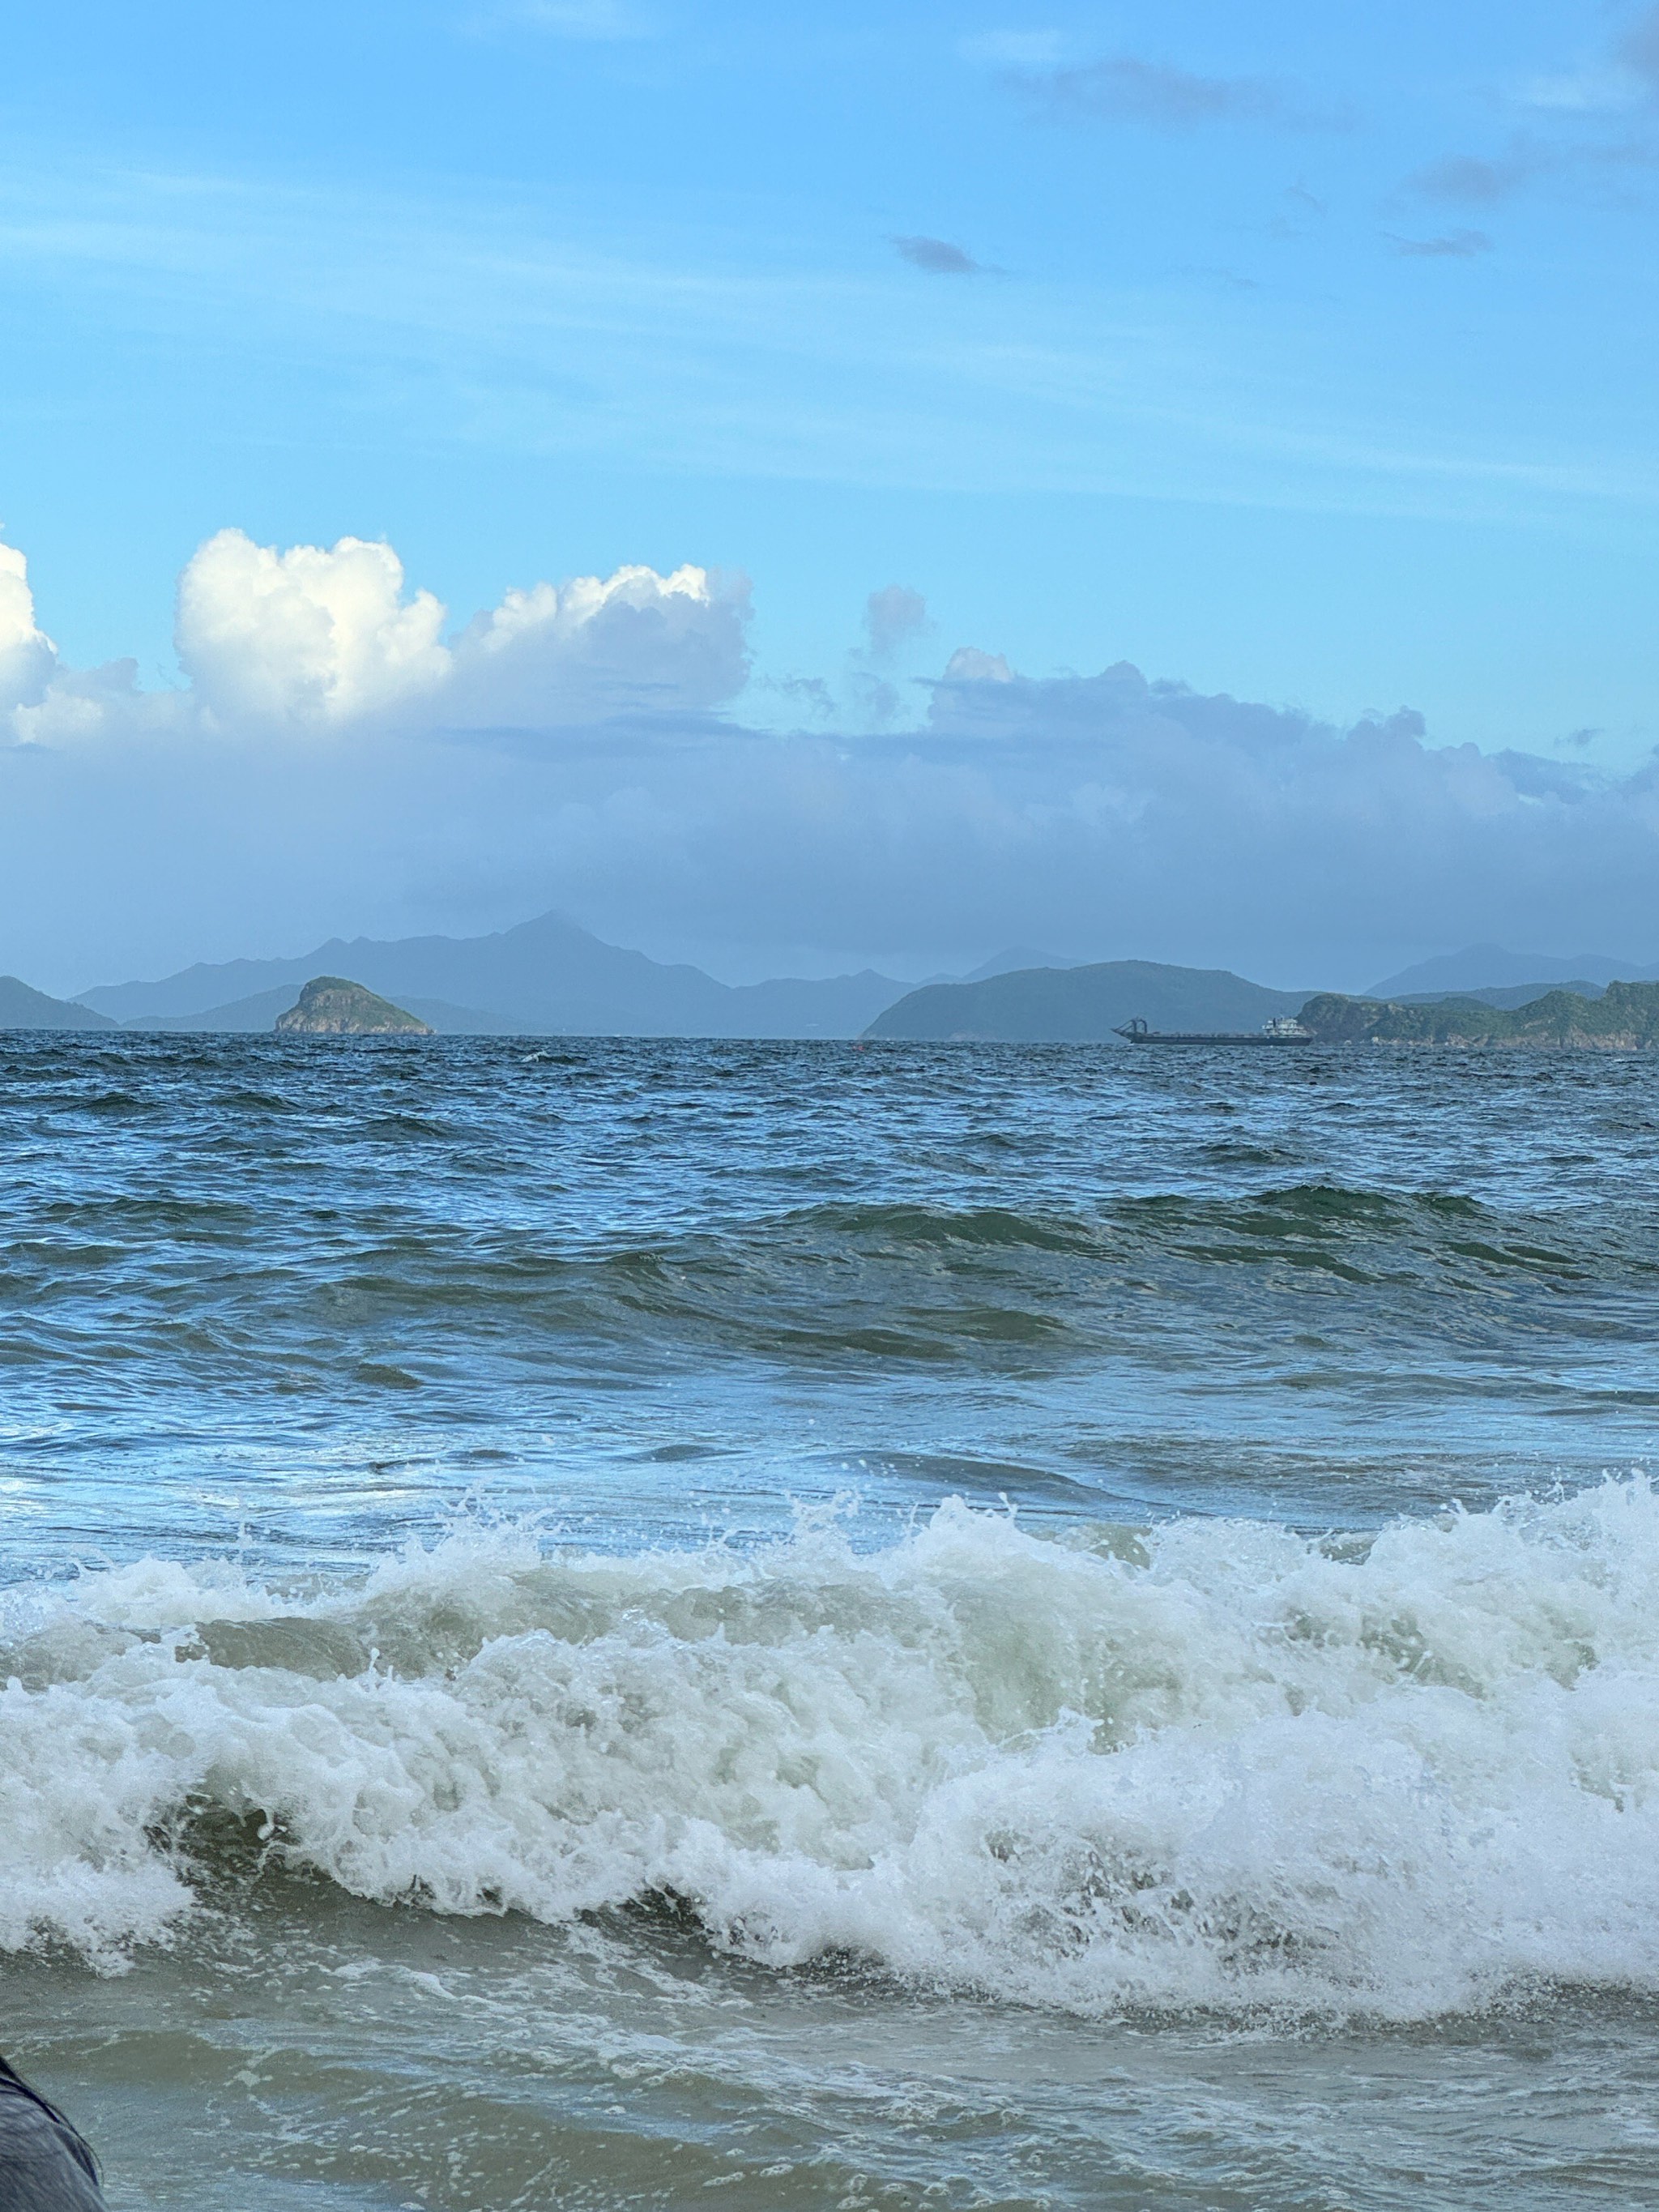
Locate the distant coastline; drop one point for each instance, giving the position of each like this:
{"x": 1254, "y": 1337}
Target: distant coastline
{"x": 549, "y": 977}
{"x": 1625, "y": 1018}
{"x": 1095, "y": 1005}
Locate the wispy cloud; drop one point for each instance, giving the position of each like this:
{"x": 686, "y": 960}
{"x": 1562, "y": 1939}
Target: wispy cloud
{"x": 1014, "y": 49}
{"x": 1453, "y": 245}
{"x": 1482, "y": 180}
{"x": 1624, "y": 77}
{"x": 1598, "y": 91}
{"x": 1474, "y": 180}
{"x": 540, "y": 337}
{"x": 1639, "y": 48}
{"x": 597, "y": 20}
{"x": 1596, "y": 118}
{"x": 1298, "y": 210}
{"x": 938, "y": 257}
{"x": 894, "y": 617}
{"x": 1126, "y": 88}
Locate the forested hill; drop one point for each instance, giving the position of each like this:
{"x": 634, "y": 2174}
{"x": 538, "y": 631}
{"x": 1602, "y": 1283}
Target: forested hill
{"x": 1082, "y": 1005}
{"x": 1624, "y": 1019}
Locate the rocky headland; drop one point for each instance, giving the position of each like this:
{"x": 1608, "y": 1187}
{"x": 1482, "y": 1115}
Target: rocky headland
{"x": 329, "y": 1005}
{"x": 1624, "y": 1019}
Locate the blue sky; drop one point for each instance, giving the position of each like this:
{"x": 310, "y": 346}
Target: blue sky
{"x": 1299, "y": 352}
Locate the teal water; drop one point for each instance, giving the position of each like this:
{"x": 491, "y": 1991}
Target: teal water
{"x": 622, "y": 1624}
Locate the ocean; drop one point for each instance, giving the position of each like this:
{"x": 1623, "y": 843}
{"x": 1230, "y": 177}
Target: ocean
{"x": 810, "y": 1629}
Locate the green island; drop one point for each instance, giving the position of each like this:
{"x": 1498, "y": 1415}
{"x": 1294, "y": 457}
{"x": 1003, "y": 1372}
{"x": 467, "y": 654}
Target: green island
{"x": 329, "y": 1005}
{"x": 1626, "y": 1019}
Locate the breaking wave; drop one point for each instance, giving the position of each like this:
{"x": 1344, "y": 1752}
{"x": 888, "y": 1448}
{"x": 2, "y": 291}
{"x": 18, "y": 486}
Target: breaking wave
{"x": 1213, "y": 1764}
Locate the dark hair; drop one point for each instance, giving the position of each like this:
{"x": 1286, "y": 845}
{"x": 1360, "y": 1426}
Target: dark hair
{"x": 74, "y": 2142}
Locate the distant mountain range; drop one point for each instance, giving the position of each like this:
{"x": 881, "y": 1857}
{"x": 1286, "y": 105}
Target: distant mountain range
{"x": 1003, "y": 963}
{"x": 1081, "y": 1005}
{"x": 1502, "y": 994}
{"x": 549, "y": 977}
{"x": 24, "y": 1008}
{"x": 1479, "y": 967}
{"x": 257, "y": 1015}
{"x": 1086, "y": 1003}
{"x": 544, "y": 977}
{"x": 1089, "y": 1004}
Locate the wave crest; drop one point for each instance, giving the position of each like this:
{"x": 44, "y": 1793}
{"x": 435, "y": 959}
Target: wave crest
{"x": 1212, "y": 1764}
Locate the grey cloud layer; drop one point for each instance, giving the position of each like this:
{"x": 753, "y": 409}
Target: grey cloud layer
{"x": 364, "y": 772}
{"x": 1453, "y": 245}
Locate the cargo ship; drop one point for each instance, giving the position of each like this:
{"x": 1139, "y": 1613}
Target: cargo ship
{"x": 1283, "y": 1029}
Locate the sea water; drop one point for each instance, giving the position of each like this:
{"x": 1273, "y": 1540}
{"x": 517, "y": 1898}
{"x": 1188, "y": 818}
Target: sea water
{"x": 609, "y": 1624}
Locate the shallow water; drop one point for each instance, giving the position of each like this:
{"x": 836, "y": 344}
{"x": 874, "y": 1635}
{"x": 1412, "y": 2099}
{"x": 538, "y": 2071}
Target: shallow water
{"x": 595, "y": 1623}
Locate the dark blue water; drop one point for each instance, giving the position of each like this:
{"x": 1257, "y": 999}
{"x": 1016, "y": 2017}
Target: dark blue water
{"x": 593, "y": 1622}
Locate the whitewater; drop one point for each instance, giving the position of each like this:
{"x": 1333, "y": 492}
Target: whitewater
{"x": 594, "y": 1624}
{"x": 1214, "y": 1764}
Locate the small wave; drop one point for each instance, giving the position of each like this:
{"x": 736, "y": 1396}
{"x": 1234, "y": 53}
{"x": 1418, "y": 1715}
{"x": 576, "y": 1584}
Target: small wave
{"x": 926, "y": 1228}
{"x": 1015, "y": 1290}
{"x": 1213, "y": 1763}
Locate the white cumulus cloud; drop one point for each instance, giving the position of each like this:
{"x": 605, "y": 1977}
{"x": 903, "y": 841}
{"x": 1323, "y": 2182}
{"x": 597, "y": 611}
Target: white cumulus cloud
{"x": 633, "y": 642}
{"x": 326, "y": 641}
{"x": 308, "y": 635}
{"x": 28, "y": 655}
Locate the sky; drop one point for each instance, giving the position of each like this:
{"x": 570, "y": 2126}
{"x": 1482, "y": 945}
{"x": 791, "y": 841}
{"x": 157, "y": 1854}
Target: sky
{"x": 810, "y": 489}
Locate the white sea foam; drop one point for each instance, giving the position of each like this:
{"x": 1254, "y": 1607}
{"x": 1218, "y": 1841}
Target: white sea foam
{"x": 1215, "y": 1764}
